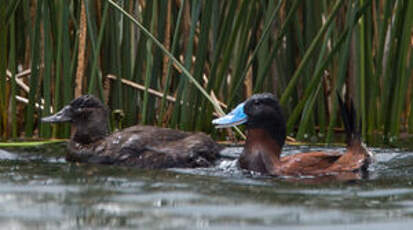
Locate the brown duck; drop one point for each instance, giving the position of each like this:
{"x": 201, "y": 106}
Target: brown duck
{"x": 266, "y": 135}
{"x": 137, "y": 146}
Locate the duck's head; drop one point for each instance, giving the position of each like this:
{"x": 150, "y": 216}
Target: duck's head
{"x": 87, "y": 114}
{"x": 260, "y": 111}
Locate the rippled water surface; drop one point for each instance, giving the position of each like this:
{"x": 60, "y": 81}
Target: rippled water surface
{"x": 39, "y": 190}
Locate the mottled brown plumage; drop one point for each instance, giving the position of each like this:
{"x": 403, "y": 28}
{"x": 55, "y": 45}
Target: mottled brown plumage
{"x": 137, "y": 146}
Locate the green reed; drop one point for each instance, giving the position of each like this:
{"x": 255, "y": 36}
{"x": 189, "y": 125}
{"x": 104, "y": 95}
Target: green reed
{"x": 194, "y": 51}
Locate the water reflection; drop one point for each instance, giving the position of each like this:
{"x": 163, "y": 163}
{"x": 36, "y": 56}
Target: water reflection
{"x": 42, "y": 191}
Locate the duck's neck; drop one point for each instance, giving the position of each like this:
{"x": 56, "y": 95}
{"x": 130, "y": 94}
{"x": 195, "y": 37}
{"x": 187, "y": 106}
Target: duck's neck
{"x": 87, "y": 132}
{"x": 259, "y": 140}
{"x": 261, "y": 152}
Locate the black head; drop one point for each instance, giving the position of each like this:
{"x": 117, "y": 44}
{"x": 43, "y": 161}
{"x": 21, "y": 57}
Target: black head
{"x": 264, "y": 111}
{"x": 87, "y": 113}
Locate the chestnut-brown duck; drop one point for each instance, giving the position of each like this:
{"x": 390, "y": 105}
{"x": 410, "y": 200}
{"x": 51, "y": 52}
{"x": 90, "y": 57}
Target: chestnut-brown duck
{"x": 266, "y": 134}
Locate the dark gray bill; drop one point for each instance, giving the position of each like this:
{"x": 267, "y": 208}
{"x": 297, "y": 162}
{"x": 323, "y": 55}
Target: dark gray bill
{"x": 64, "y": 115}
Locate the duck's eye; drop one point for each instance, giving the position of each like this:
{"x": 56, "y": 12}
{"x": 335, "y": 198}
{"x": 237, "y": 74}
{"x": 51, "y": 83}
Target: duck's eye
{"x": 257, "y": 102}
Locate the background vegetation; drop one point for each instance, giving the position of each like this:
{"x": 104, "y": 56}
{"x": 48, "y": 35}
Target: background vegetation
{"x": 302, "y": 50}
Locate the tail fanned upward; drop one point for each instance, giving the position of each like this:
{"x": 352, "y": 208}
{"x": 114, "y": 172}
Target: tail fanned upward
{"x": 357, "y": 152}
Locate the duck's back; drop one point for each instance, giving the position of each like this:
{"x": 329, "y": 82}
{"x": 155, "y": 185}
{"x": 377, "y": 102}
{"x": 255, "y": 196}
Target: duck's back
{"x": 312, "y": 163}
{"x": 149, "y": 147}
{"x": 355, "y": 159}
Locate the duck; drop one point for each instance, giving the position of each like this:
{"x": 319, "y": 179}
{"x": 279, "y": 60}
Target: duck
{"x": 266, "y": 134}
{"x": 139, "y": 146}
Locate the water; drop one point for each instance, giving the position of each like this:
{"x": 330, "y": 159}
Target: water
{"x": 39, "y": 190}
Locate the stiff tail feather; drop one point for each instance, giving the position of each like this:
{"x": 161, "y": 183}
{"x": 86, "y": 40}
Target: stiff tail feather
{"x": 353, "y": 133}
{"x": 349, "y": 117}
